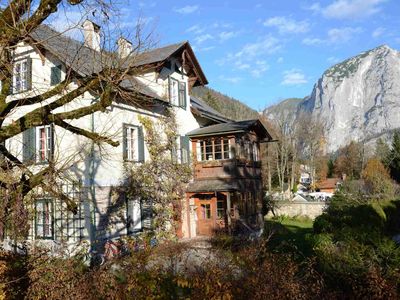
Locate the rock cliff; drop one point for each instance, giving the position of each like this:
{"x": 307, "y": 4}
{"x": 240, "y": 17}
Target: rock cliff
{"x": 358, "y": 99}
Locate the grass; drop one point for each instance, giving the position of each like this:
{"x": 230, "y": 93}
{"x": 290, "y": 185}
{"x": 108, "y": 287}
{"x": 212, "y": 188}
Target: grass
{"x": 290, "y": 235}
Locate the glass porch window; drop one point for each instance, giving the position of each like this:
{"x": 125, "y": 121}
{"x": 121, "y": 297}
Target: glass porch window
{"x": 206, "y": 211}
{"x": 220, "y": 209}
{"x": 214, "y": 149}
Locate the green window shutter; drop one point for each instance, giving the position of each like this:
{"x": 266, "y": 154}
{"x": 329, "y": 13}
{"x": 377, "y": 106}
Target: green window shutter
{"x": 140, "y": 145}
{"x": 29, "y": 73}
{"x": 29, "y": 145}
{"x": 182, "y": 94}
{"x": 185, "y": 149}
{"x": 169, "y": 90}
{"x": 147, "y": 213}
{"x": 184, "y": 97}
{"x": 55, "y": 76}
{"x": 124, "y": 143}
{"x": 2, "y": 145}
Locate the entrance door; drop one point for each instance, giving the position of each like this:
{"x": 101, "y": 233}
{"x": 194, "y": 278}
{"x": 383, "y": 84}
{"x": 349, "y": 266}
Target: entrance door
{"x": 205, "y": 214}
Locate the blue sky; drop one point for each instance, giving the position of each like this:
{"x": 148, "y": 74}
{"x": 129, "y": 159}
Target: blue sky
{"x": 261, "y": 52}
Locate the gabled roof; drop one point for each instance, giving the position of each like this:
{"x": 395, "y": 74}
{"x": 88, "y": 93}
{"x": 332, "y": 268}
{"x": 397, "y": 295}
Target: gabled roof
{"x": 163, "y": 54}
{"x": 202, "y": 109}
{"x": 233, "y": 127}
{"x": 86, "y": 61}
{"x": 329, "y": 183}
{"x": 157, "y": 55}
{"x": 83, "y": 60}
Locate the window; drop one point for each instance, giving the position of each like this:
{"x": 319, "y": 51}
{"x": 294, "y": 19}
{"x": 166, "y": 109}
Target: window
{"x": 44, "y": 138}
{"x": 213, "y": 149}
{"x": 181, "y": 151}
{"x": 182, "y": 95}
{"x": 177, "y": 92}
{"x": 256, "y": 152}
{"x": 55, "y": 76}
{"x": 44, "y": 219}
{"x": 133, "y": 215}
{"x": 205, "y": 211}
{"x": 22, "y": 75}
{"x": 133, "y": 143}
{"x": 174, "y": 91}
{"x": 220, "y": 209}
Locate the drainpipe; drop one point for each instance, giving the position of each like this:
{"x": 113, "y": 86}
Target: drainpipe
{"x": 92, "y": 187}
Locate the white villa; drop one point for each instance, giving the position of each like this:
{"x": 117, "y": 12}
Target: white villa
{"x": 169, "y": 74}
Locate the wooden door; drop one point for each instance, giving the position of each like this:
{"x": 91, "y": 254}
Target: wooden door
{"x": 205, "y": 215}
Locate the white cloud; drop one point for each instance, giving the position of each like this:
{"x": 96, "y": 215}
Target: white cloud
{"x": 204, "y": 49}
{"x": 334, "y": 36}
{"x": 333, "y": 60}
{"x": 196, "y": 29}
{"x": 268, "y": 45}
{"x": 226, "y": 35}
{"x": 287, "y": 25}
{"x": 241, "y": 65}
{"x": 313, "y": 41}
{"x": 342, "y": 35}
{"x": 349, "y": 9}
{"x": 378, "y": 32}
{"x": 230, "y": 79}
{"x": 293, "y": 77}
{"x": 279, "y": 60}
{"x": 202, "y": 38}
{"x": 188, "y": 9}
{"x": 259, "y": 69}
{"x": 315, "y": 7}
{"x": 143, "y": 4}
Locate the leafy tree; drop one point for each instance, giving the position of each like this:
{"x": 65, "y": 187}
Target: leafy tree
{"x": 394, "y": 163}
{"x": 59, "y": 105}
{"x": 160, "y": 179}
{"x": 377, "y": 179}
{"x": 350, "y": 160}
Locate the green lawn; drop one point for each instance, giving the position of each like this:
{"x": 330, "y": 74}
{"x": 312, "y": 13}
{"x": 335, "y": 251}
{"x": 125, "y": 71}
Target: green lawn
{"x": 289, "y": 235}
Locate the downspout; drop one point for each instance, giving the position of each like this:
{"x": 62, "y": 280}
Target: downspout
{"x": 92, "y": 187}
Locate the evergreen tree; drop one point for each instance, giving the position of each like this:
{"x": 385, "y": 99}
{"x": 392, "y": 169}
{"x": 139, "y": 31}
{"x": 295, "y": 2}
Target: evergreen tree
{"x": 382, "y": 152}
{"x": 394, "y": 164}
{"x": 331, "y": 168}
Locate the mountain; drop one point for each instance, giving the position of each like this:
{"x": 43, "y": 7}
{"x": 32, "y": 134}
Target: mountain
{"x": 284, "y": 110}
{"x": 357, "y": 99}
{"x": 227, "y": 106}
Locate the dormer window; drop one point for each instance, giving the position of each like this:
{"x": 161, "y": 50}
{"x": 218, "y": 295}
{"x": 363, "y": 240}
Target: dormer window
{"x": 22, "y": 75}
{"x": 177, "y": 92}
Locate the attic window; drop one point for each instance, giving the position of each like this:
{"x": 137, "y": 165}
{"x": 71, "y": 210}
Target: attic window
{"x": 22, "y": 75}
{"x": 177, "y": 92}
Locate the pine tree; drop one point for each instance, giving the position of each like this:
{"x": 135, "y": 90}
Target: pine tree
{"x": 382, "y": 152}
{"x": 394, "y": 164}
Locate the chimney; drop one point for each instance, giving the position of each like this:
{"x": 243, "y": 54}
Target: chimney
{"x": 91, "y": 33}
{"x": 124, "y": 47}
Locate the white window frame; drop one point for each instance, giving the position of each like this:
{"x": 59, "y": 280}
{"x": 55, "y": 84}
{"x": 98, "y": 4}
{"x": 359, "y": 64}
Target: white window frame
{"x": 43, "y": 220}
{"x": 174, "y": 91}
{"x": 44, "y": 147}
{"x": 20, "y": 76}
{"x": 132, "y": 145}
{"x": 133, "y": 215}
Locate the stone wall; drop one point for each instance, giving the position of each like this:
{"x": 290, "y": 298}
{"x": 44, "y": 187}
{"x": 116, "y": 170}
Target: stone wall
{"x": 292, "y": 209}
